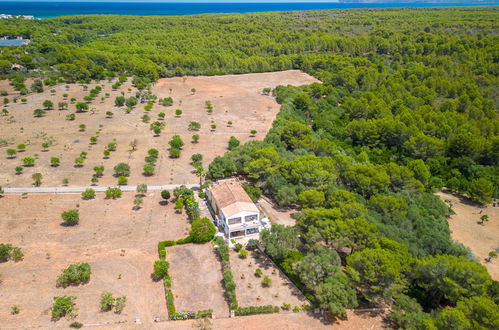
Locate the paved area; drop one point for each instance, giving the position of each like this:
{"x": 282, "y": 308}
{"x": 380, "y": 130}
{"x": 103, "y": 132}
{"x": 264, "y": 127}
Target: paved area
{"x": 80, "y": 189}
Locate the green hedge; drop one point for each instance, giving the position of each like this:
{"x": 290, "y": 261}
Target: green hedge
{"x": 230, "y": 288}
{"x": 169, "y": 302}
{"x": 191, "y": 315}
{"x": 252, "y": 310}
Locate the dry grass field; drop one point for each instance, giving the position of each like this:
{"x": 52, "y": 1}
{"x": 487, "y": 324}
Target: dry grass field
{"x": 236, "y": 98}
{"x": 106, "y": 227}
{"x": 481, "y": 239}
{"x": 196, "y": 277}
{"x": 249, "y": 288}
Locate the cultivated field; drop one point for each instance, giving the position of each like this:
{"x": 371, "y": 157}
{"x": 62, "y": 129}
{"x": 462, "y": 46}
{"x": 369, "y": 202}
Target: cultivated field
{"x": 106, "y": 228}
{"x": 481, "y": 239}
{"x": 236, "y": 98}
{"x": 197, "y": 279}
{"x": 249, "y": 288}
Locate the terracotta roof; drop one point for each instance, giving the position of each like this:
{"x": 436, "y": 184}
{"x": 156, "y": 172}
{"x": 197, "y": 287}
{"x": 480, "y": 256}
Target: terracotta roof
{"x": 231, "y": 198}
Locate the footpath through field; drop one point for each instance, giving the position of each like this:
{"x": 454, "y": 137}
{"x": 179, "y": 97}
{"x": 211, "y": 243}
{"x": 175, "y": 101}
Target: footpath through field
{"x": 75, "y": 190}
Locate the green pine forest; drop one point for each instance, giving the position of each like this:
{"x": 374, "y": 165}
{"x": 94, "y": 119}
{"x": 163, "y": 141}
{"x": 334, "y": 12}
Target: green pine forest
{"x": 408, "y": 105}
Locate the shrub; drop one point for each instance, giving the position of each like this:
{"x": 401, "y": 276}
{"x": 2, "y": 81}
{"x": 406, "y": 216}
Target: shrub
{"x": 71, "y": 217}
{"x": 28, "y": 161}
{"x": 185, "y": 240}
{"x": 54, "y": 161}
{"x": 243, "y": 254}
{"x": 196, "y": 158}
{"x": 11, "y": 152}
{"x": 122, "y": 180}
{"x": 75, "y": 274}
{"x": 149, "y": 169}
{"x": 252, "y": 244}
{"x": 19, "y": 169}
{"x": 17, "y": 254}
{"x": 161, "y": 268}
{"x": 121, "y": 169}
{"x": 113, "y": 193}
{"x": 120, "y": 304}
{"x": 258, "y": 272}
{"x": 266, "y": 282}
{"x": 106, "y": 301}
{"x": 238, "y": 247}
{"x": 178, "y": 112}
{"x": 141, "y": 188}
{"x": 176, "y": 142}
{"x": 195, "y": 138}
{"x": 88, "y": 194}
{"x": 98, "y": 170}
{"x": 174, "y": 153}
{"x": 252, "y": 310}
{"x": 233, "y": 143}
{"x": 202, "y": 230}
{"x": 76, "y": 325}
{"x": 165, "y": 194}
{"x": 64, "y": 306}
{"x": 194, "y": 126}
{"x": 14, "y": 309}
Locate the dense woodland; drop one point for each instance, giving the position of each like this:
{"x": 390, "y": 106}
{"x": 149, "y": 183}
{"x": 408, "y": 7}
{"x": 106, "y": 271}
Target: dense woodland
{"x": 408, "y": 105}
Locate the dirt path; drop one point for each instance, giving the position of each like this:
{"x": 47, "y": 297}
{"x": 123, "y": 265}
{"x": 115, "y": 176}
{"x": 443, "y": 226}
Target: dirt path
{"x": 481, "y": 239}
{"x": 70, "y": 190}
{"x": 276, "y": 214}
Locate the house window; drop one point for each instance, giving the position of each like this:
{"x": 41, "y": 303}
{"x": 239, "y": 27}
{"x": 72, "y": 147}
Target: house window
{"x": 234, "y": 221}
{"x": 250, "y": 218}
{"x": 252, "y": 231}
{"x": 237, "y": 233}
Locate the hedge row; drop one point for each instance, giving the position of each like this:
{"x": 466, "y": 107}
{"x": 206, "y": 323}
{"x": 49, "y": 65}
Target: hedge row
{"x": 229, "y": 284}
{"x": 252, "y": 310}
{"x": 192, "y": 315}
{"x": 169, "y": 303}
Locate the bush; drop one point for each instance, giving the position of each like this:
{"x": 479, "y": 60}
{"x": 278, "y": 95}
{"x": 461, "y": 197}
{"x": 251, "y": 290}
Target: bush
{"x": 106, "y": 301}
{"x": 252, "y": 244}
{"x": 252, "y": 310}
{"x": 174, "y": 152}
{"x": 122, "y": 180}
{"x": 5, "y": 251}
{"x": 258, "y": 272}
{"x": 238, "y": 247}
{"x": 76, "y": 325}
{"x": 120, "y": 304}
{"x": 233, "y": 143}
{"x": 122, "y": 169}
{"x": 113, "y": 193}
{"x": 149, "y": 169}
{"x": 70, "y": 217}
{"x": 161, "y": 269}
{"x": 243, "y": 254}
{"x": 64, "y": 306}
{"x": 165, "y": 194}
{"x": 202, "y": 230}
{"x": 266, "y": 282}
{"x": 75, "y": 274}
{"x": 88, "y": 194}
{"x": 17, "y": 254}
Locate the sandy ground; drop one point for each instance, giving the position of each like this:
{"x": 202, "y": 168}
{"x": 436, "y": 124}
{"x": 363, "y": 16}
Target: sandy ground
{"x": 236, "y": 98}
{"x": 288, "y": 321}
{"x": 197, "y": 279}
{"x": 106, "y": 227}
{"x": 277, "y": 214}
{"x": 481, "y": 239}
{"x": 249, "y": 288}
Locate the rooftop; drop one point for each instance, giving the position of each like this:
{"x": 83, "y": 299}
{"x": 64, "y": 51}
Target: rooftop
{"x": 231, "y": 198}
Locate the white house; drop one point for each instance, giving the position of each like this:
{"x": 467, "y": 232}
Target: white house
{"x": 234, "y": 211}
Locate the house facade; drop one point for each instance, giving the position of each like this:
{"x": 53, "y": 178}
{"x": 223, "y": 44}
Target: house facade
{"x": 234, "y": 212}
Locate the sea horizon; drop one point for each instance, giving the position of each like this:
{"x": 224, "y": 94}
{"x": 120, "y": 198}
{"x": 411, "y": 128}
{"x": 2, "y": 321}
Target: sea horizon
{"x": 50, "y": 9}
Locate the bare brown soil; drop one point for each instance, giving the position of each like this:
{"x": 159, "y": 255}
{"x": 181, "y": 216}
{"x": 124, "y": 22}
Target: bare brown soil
{"x": 249, "y": 288}
{"x": 277, "y": 214}
{"x": 197, "y": 279}
{"x": 106, "y": 228}
{"x": 236, "y": 98}
{"x": 481, "y": 239}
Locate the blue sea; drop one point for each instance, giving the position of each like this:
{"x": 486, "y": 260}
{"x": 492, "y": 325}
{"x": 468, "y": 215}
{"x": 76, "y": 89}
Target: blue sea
{"x": 45, "y": 9}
